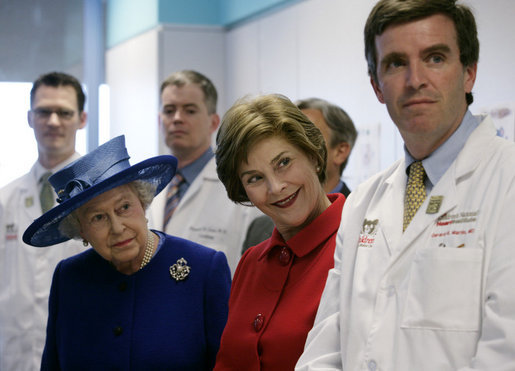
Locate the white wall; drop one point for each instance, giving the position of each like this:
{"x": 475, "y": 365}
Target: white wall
{"x": 496, "y": 68}
{"x": 311, "y": 48}
{"x": 315, "y": 48}
{"x": 194, "y": 48}
{"x": 132, "y": 75}
{"x": 136, "y": 68}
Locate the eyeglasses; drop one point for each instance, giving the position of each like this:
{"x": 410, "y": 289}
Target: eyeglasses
{"x": 45, "y": 113}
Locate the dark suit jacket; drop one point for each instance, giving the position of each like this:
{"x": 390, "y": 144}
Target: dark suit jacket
{"x": 345, "y": 190}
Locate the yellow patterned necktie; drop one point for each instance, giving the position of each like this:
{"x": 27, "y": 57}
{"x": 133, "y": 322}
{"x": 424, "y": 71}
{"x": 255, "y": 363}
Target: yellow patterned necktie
{"x": 415, "y": 192}
{"x": 46, "y": 195}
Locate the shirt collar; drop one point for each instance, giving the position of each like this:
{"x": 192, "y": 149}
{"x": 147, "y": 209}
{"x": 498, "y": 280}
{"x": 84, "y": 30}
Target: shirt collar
{"x": 437, "y": 163}
{"x": 191, "y": 171}
{"x": 337, "y": 188}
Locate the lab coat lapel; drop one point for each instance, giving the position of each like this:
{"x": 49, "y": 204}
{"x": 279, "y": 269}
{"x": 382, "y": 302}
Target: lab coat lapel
{"x": 190, "y": 193}
{"x": 406, "y": 246}
{"x": 29, "y": 195}
{"x": 207, "y": 173}
{"x": 391, "y": 209}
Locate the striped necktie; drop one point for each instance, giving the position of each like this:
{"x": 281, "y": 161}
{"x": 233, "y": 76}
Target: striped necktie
{"x": 172, "y": 198}
{"x": 46, "y": 195}
{"x": 415, "y": 192}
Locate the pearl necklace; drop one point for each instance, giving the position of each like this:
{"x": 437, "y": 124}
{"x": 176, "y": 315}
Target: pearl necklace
{"x": 149, "y": 250}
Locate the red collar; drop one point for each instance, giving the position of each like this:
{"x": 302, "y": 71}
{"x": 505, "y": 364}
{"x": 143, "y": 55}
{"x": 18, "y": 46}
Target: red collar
{"x": 314, "y": 234}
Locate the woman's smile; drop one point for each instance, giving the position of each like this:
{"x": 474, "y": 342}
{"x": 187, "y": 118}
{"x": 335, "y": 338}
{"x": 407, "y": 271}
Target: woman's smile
{"x": 287, "y": 202}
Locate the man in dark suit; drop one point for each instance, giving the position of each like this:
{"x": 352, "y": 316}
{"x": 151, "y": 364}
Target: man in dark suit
{"x": 339, "y": 135}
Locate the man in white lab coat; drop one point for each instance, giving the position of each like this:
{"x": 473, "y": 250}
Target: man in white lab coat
{"x": 433, "y": 291}
{"x": 56, "y": 113}
{"x": 198, "y": 209}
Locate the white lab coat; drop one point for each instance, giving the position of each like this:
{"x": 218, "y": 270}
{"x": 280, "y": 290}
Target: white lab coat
{"x": 207, "y": 216}
{"x": 438, "y": 297}
{"x": 25, "y": 276}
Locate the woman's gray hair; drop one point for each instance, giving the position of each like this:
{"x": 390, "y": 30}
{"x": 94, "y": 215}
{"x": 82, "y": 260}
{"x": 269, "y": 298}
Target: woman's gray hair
{"x": 70, "y": 226}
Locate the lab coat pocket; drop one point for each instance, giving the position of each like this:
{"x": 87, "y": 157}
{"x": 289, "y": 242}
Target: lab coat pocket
{"x": 444, "y": 290}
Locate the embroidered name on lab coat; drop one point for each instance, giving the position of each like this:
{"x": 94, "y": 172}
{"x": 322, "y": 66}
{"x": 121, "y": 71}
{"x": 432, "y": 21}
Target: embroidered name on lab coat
{"x": 460, "y": 223}
{"x": 209, "y": 233}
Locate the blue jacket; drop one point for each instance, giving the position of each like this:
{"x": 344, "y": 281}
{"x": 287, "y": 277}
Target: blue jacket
{"x": 102, "y": 319}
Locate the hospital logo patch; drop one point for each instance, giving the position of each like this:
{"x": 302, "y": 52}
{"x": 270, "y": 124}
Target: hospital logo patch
{"x": 368, "y": 233}
{"x": 11, "y": 232}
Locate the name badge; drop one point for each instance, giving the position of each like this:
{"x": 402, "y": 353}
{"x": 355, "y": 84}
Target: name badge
{"x": 434, "y": 204}
{"x": 29, "y": 201}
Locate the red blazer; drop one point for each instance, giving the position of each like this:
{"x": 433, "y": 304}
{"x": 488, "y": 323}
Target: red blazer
{"x": 275, "y": 295}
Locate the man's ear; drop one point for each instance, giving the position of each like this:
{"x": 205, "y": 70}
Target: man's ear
{"x": 341, "y": 152}
{"x": 470, "y": 77}
{"x": 377, "y": 90}
{"x": 30, "y": 116}
{"x": 83, "y": 117}
{"x": 215, "y": 122}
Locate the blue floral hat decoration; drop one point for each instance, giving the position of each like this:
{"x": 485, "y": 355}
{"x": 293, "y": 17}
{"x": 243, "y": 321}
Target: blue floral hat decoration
{"x": 101, "y": 170}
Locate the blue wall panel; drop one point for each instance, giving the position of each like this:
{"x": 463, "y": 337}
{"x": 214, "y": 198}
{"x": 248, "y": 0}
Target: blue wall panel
{"x": 234, "y": 11}
{"x": 198, "y": 12}
{"x": 128, "y": 18}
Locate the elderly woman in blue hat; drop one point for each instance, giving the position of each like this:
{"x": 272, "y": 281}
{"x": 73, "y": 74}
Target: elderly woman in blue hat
{"x": 139, "y": 299}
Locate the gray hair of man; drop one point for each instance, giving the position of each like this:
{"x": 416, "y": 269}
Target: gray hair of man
{"x": 184, "y": 77}
{"x": 70, "y": 225}
{"x": 341, "y": 125}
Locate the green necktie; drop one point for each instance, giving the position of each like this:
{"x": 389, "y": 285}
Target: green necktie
{"x": 415, "y": 192}
{"x": 46, "y": 196}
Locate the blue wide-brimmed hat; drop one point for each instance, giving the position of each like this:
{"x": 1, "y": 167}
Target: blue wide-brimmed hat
{"x": 101, "y": 170}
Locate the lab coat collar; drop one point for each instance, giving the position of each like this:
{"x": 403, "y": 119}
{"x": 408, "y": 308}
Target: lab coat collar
{"x": 29, "y": 187}
{"x": 207, "y": 174}
{"x": 442, "y": 158}
{"x": 39, "y": 169}
{"x": 191, "y": 171}
{"x": 478, "y": 146}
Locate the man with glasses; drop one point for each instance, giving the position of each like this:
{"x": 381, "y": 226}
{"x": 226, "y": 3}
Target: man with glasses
{"x": 57, "y": 112}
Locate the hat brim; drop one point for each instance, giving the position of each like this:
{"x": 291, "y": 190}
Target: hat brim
{"x": 44, "y": 231}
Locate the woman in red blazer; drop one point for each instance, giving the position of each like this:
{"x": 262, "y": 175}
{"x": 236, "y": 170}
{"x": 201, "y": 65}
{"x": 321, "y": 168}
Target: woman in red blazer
{"x": 271, "y": 156}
